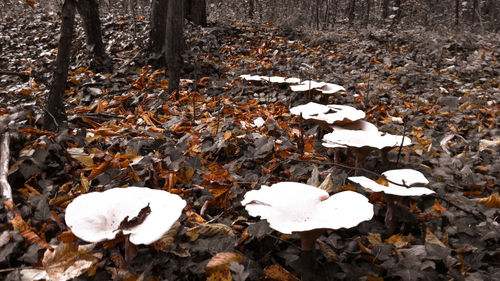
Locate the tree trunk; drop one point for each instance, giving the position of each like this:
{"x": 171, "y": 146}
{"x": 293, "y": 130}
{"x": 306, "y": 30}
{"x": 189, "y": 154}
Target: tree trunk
{"x": 158, "y": 25}
{"x": 251, "y": 8}
{"x": 457, "y": 12}
{"x": 174, "y": 43}
{"x": 385, "y": 9}
{"x": 350, "y": 10}
{"x": 475, "y": 10}
{"x": 55, "y": 112}
{"x": 367, "y": 12}
{"x": 89, "y": 10}
{"x": 196, "y": 11}
{"x": 397, "y": 17}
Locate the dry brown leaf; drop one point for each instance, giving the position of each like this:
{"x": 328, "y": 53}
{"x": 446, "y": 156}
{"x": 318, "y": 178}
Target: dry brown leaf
{"x": 209, "y": 229}
{"x": 277, "y": 272}
{"x": 375, "y": 239}
{"x": 399, "y": 241}
{"x": 222, "y": 260}
{"x": 327, "y": 251}
{"x": 98, "y": 170}
{"x": 362, "y": 247}
{"x": 431, "y": 238}
{"x": 25, "y": 230}
{"x": 437, "y": 207}
{"x": 492, "y": 201}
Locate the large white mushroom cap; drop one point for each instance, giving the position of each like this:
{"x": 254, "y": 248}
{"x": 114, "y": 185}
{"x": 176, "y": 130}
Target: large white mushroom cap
{"x": 96, "y": 216}
{"x": 296, "y": 207}
{"x": 332, "y": 113}
{"x": 363, "y": 138}
{"x": 408, "y": 177}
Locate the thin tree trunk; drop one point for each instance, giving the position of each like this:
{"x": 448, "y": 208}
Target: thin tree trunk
{"x": 158, "y": 27}
{"x": 251, "y": 7}
{"x": 89, "y": 10}
{"x": 475, "y": 11}
{"x": 196, "y": 11}
{"x": 55, "y": 112}
{"x": 351, "y": 10}
{"x": 174, "y": 43}
{"x": 367, "y": 12}
{"x": 385, "y": 8}
{"x": 457, "y": 12}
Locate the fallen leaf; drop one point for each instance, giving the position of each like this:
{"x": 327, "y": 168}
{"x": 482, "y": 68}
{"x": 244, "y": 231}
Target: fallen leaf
{"x": 492, "y": 201}
{"x": 277, "y": 272}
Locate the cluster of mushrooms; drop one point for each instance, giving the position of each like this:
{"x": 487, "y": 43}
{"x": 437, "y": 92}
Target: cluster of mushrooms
{"x": 144, "y": 215}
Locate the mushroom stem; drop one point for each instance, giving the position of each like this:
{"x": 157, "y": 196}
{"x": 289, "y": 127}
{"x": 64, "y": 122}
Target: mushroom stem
{"x": 307, "y": 257}
{"x": 130, "y": 250}
{"x": 391, "y": 220}
{"x": 308, "y": 238}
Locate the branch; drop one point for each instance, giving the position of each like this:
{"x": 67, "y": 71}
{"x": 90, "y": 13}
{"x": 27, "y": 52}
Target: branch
{"x": 5, "y": 188}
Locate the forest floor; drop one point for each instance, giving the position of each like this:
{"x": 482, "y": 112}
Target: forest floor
{"x": 207, "y": 147}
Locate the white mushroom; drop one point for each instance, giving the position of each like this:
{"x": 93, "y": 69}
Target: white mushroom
{"x": 323, "y": 87}
{"x": 408, "y": 177}
{"x": 363, "y": 140}
{"x": 296, "y": 207}
{"x": 392, "y": 193}
{"x": 329, "y": 114}
{"x": 271, "y": 79}
{"x": 97, "y": 216}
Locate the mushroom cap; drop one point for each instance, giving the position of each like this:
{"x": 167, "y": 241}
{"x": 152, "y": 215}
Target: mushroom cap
{"x": 297, "y": 207}
{"x": 330, "y": 88}
{"x": 323, "y": 87}
{"x": 307, "y": 85}
{"x": 401, "y": 176}
{"x": 363, "y": 138}
{"x": 96, "y": 216}
{"x": 271, "y": 79}
{"x": 331, "y": 114}
{"x": 360, "y": 125}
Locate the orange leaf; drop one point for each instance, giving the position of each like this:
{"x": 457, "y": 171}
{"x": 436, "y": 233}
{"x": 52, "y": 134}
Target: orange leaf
{"x": 437, "y": 207}
{"x": 492, "y": 201}
{"x": 382, "y": 181}
{"x": 25, "y": 230}
{"x": 98, "y": 170}
{"x": 222, "y": 260}
{"x": 277, "y": 272}
{"x": 431, "y": 238}
{"x": 362, "y": 247}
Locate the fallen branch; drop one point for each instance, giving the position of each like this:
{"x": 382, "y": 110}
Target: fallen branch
{"x": 20, "y": 74}
{"x": 5, "y": 188}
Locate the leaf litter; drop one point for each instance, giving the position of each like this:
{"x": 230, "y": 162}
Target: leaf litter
{"x": 208, "y": 148}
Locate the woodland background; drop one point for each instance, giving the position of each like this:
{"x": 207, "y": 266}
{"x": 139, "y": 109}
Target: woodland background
{"x": 434, "y": 64}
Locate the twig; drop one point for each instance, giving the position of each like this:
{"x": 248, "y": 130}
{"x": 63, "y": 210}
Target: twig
{"x": 402, "y": 140}
{"x": 4, "y": 170}
{"x": 22, "y": 75}
{"x": 221, "y": 112}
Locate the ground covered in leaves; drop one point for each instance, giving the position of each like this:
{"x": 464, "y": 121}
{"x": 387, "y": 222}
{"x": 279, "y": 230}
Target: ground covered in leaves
{"x": 209, "y": 147}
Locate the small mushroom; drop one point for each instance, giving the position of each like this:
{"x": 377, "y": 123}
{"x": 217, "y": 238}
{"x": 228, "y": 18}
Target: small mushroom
{"x": 291, "y": 207}
{"x": 143, "y": 213}
{"x": 401, "y": 182}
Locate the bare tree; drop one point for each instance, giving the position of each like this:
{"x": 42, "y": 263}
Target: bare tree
{"x": 89, "y": 10}
{"x": 55, "y": 112}
{"x": 174, "y": 43}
